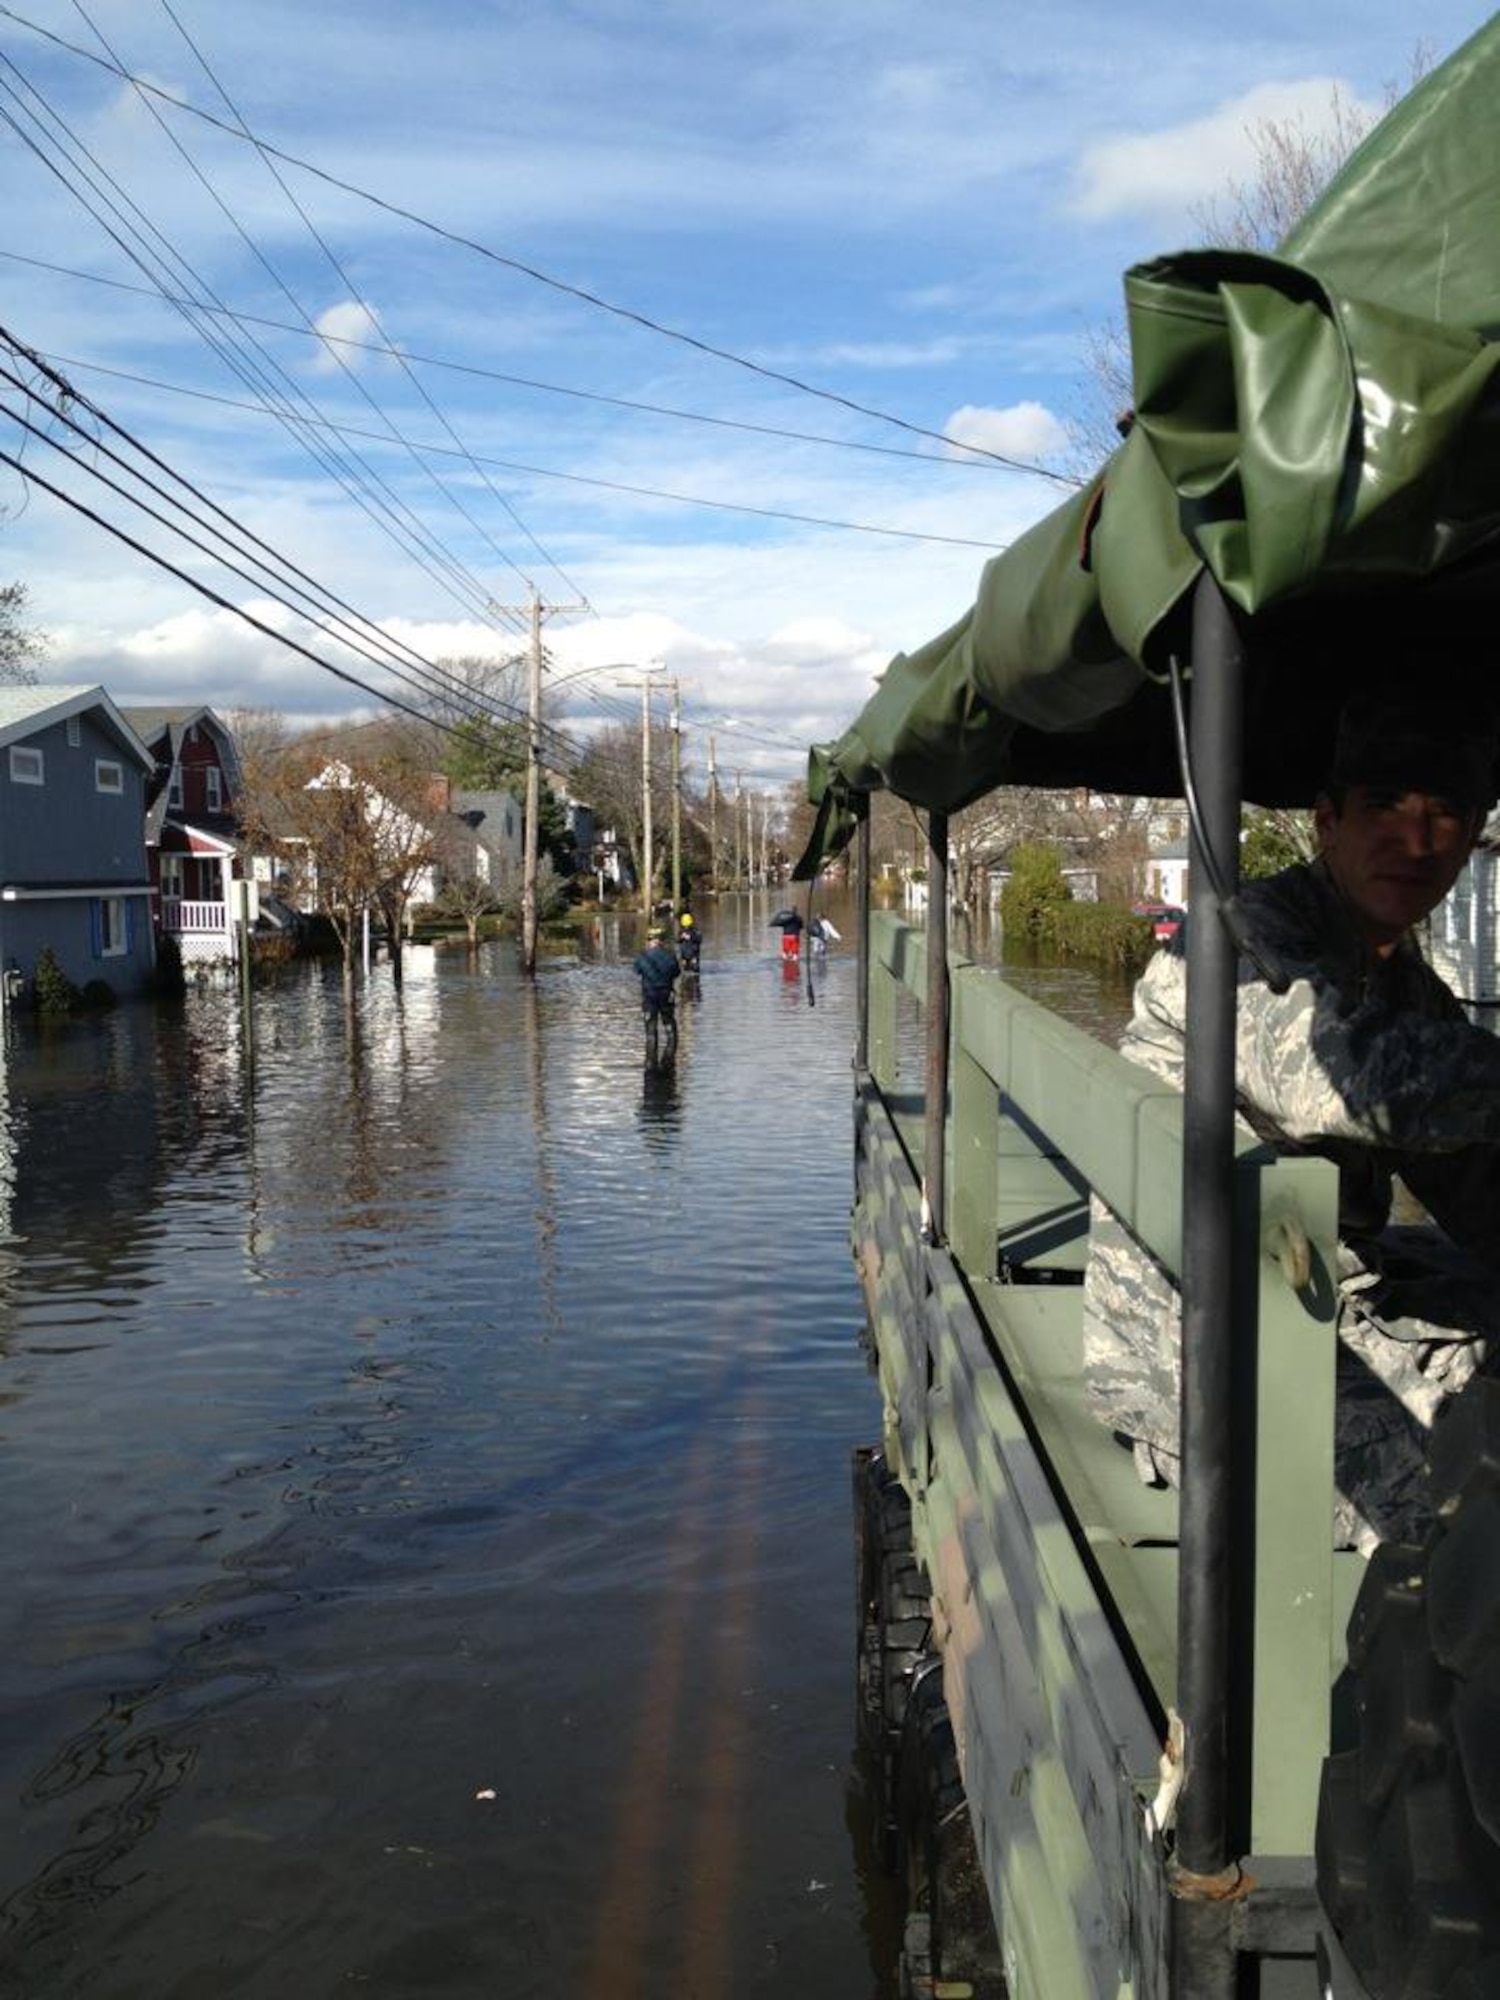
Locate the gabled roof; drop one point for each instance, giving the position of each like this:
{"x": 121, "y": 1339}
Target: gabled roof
{"x": 149, "y": 723}
{"x": 25, "y": 710}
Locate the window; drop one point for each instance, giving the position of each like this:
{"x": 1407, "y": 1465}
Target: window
{"x": 75, "y": 732}
{"x": 171, "y": 875}
{"x": 112, "y": 927}
{"x": 26, "y": 765}
{"x": 213, "y": 788}
{"x": 108, "y": 776}
{"x": 174, "y": 788}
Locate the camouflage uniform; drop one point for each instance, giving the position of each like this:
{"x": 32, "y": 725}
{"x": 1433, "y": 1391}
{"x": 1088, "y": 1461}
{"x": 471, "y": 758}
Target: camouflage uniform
{"x": 1373, "y": 1064}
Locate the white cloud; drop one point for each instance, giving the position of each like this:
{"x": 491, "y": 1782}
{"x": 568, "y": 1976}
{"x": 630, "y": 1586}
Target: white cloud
{"x": 1162, "y": 174}
{"x": 1026, "y": 431}
{"x": 343, "y": 324}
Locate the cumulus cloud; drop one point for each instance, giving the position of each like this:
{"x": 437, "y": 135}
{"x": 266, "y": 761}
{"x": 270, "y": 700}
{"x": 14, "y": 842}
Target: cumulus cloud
{"x": 353, "y": 328}
{"x": 1026, "y": 430}
{"x": 1163, "y": 173}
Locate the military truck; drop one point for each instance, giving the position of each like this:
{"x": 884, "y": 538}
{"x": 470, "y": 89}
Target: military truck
{"x": 1126, "y": 1741}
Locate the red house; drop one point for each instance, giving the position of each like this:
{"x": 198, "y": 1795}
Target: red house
{"x": 192, "y": 836}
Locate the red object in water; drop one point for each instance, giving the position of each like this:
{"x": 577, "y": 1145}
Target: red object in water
{"x": 791, "y": 944}
{"x": 1166, "y": 919}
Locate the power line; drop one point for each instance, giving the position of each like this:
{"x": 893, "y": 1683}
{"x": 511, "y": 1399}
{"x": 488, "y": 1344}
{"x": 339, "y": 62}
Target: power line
{"x": 391, "y": 350}
{"x": 347, "y": 281}
{"x": 561, "y": 285}
{"x": 431, "y": 679}
{"x": 358, "y": 479}
{"x": 541, "y": 471}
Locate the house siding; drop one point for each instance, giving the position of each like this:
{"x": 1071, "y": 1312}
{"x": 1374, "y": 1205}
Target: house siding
{"x": 66, "y": 835}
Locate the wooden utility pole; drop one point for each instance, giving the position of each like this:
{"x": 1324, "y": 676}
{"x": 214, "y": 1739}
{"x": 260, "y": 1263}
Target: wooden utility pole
{"x": 535, "y": 611}
{"x": 713, "y": 820}
{"x": 648, "y": 852}
{"x": 739, "y": 814}
{"x": 676, "y": 798}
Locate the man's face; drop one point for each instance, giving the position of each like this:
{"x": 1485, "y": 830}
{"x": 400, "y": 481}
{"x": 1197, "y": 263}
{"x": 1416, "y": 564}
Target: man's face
{"x": 1394, "y": 854}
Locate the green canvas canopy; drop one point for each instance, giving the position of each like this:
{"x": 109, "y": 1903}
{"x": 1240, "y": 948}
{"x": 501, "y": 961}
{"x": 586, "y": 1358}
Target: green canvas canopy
{"x": 1319, "y": 430}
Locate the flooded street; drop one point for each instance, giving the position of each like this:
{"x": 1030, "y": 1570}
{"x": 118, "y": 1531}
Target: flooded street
{"x": 425, "y": 1478}
{"x": 425, "y": 1472}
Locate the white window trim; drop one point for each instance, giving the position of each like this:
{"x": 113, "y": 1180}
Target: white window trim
{"x": 174, "y": 788}
{"x": 108, "y": 775}
{"x": 27, "y": 765}
{"x": 121, "y": 928}
{"x": 213, "y": 788}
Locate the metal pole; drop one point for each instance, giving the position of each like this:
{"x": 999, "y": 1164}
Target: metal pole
{"x": 533, "y": 792}
{"x": 676, "y": 798}
{"x": 1203, "y": 1957}
{"x": 647, "y": 857}
{"x": 935, "y": 1118}
{"x": 864, "y": 847}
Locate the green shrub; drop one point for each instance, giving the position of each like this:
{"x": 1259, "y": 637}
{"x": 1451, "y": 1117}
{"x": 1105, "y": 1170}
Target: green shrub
{"x": 1105, "y": 933}
{"x": 1035, "y": 891}
{"x": 53, "y": 991}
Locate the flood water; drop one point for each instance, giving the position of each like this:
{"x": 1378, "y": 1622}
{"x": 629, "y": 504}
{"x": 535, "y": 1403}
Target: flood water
{"x": 424, "y": 1469}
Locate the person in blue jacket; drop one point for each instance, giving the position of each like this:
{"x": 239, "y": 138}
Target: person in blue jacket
{"x": 656, "y": 967}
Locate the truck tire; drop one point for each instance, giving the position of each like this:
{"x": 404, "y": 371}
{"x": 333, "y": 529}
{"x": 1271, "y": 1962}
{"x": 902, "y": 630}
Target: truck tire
{"x": 894, "y": 1632}
{"x": 949, "y": 1942}
{"x": 1408, "y": 1838}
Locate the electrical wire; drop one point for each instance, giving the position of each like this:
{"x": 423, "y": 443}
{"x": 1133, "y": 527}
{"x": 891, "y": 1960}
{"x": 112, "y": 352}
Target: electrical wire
{"x": 353, "y": 291}
{"x": 544, "y": 471}
{"x": 284, "y": 574}
{"x": 361, "y": 482}
{"x": 540, "y": 277}
{"x": 943, "y": 460}
{"x": 561, "y": 745}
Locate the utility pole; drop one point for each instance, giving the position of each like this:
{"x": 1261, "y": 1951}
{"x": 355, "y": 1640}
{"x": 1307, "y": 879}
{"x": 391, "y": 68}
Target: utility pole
{"x": 648, "y": 854}
{"x": 676, "y": 798}
{"x": 535, "y": 612}
{"x": 713, "y": 821}
{"x": 739, "y": 814}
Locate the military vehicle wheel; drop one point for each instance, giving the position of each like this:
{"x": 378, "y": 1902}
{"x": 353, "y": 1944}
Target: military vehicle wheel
{"x": 1408, "y": 1838}
{"x": 949, "y": 1942}
{"x": 894, "y": 1630}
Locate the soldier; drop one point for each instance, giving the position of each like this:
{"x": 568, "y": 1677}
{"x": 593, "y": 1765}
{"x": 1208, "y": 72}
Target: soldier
{"x": 1369, "y": 1060}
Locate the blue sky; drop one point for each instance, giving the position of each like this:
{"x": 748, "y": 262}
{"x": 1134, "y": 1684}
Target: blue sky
{"x": 922, "y": 209}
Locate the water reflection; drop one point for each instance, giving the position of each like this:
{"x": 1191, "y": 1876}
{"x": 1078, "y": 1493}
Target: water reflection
{"x": 660, "y": 1103}
{"x": 447, "y": 1406}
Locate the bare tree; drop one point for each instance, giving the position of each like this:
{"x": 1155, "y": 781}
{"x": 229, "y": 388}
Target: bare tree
{"x": 1292, "y": 164}
{"x": 352, "y": 831}
{"x": 21, "y": 645}
{"x": 479, "y": 685}
{"x": 467, "y": 891}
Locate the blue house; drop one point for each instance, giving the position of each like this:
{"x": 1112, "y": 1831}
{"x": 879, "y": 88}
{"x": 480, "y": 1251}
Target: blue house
{"x": 73, "y": 872}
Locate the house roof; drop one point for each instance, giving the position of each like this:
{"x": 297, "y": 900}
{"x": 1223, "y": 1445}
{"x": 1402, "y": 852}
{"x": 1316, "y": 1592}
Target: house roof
{"x": 25, "y": 710}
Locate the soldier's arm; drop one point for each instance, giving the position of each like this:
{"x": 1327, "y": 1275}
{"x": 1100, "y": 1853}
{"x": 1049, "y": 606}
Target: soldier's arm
{"x": 1418, "y": 1082}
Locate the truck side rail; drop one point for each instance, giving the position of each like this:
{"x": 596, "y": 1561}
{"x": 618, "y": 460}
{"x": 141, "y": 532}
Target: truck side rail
{"x": 1053, "y": 1569}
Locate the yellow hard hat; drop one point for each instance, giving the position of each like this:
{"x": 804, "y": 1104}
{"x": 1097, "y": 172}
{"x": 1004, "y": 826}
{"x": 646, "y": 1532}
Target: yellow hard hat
{"x": 687, "y": 919}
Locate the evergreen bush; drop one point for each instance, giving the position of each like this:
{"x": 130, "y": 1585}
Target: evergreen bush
{"x": 52, "y": 990}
